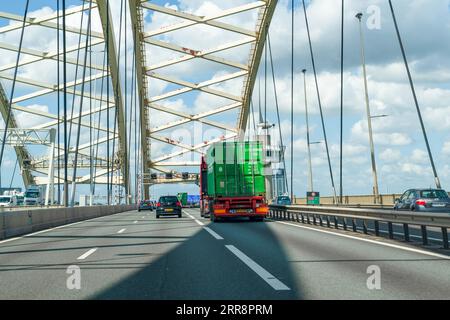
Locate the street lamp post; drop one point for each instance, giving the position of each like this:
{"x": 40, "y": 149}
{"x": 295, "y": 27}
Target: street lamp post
{"x": 369, "y": 118}
{"x": 311, "y": 186}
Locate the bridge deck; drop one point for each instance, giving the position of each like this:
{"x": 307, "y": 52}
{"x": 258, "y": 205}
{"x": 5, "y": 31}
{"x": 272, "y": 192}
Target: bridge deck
{"x": 134, "y": 255}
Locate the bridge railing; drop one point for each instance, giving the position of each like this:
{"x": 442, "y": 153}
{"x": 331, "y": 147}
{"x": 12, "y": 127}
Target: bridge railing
{"x": 349, "y": 218}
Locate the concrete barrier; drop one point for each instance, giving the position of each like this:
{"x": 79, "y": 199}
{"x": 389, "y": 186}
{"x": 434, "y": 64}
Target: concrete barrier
{"x": 16, "y": 223}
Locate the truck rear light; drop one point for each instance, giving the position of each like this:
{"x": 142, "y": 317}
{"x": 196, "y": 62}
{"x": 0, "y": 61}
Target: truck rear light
{"x": 158, "y": 204}
{"x": 264, "y": 209}
{"x": 178, "y": 203}
{"x": 421, "y": 202}
{"x": 220, "y": 211}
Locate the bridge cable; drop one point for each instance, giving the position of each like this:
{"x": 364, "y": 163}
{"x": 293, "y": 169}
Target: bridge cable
{"x": 265, "y": 83}
{"x": 58, "y": 100}
{"x": 76, "y": 73}
{"x": 134, "y": 100}
{"x": 319, "y": 101}
{"x": 66, "y": 149}
{"x": 108, "y": 155}
{"x": 100, "y": 116}
{"x": 430, "y": 155}
{"x": 132, "y": 112}
{"x": 13, "y": 85}
{"x": 74, "y": 171}
{"x": 342, "y": 104}
{"x": 278, "y": 112}
{"x": 116, "y": 111}
{"x": 13, "y": 174}
{"x": 292, "y": 98}
{"x": 91, "y": 147}
{"x": 253, "y": 116}
{"x": 127, "y": 145}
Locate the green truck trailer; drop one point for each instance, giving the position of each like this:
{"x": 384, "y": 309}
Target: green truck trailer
{"x": 183, "y": 197}
{"x": 232, "y": 180}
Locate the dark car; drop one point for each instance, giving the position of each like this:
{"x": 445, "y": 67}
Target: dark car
{"x": 145, "y": 205}
{"x": 168, "y": 205}
{"x": 424, "y": 200}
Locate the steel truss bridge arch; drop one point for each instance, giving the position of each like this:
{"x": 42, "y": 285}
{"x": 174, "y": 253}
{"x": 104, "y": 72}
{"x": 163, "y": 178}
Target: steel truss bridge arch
{"x": 245, "y": 68}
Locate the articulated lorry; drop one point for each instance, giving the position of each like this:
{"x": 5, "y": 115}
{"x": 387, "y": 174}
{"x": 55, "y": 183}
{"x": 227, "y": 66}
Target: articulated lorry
{"x": 232, "y": 182}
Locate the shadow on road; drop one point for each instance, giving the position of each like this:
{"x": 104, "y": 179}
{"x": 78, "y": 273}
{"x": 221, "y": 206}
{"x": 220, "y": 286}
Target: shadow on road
{"x": 201, "y": 267}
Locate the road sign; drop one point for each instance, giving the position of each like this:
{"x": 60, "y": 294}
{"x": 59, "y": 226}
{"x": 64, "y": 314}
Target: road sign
{"x": 313, "y": 198}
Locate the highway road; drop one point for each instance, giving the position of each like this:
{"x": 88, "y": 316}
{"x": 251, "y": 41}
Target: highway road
{"x": 133, "y": 255}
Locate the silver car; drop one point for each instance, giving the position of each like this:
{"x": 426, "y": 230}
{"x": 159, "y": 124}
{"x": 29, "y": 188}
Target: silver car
{"x": 424, "y": 200}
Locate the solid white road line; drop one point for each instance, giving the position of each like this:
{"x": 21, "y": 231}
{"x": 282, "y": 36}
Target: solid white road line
{"x": 260, "y": 271}
{"x": 135, "y": 221}
{"x": 87, "y": 254}
{"x": 428, "y": 253}
{"x": 121, "y": 230}
{"x": 213, "y": 233}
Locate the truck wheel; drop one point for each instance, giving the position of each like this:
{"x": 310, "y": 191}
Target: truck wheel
{"x": 157, "y": 216}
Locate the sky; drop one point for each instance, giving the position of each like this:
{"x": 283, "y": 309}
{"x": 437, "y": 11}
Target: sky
{"x": 401, "y": 156}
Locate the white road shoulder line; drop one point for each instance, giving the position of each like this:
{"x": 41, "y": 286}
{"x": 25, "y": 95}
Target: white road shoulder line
{"x": 87, "y": 254}
{"x": 213, "y": 233}
{"x": 260, "y": 271}
{"x": 391, "y": 245}
{"x": 121, "y": 230}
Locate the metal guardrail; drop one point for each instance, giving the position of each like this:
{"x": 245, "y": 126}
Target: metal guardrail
{"x": 331, "y": 217}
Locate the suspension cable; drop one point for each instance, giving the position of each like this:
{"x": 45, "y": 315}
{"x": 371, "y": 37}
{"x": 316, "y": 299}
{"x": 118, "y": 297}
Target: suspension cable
{"x": 91, "y": 147}
{"x": 292, "y": 99}
{"x": 58, "y": 102}
{"x": 132, "y": 106}
{"x": 13, "y": 84}
{"x": 342, "y": 104}
{"x": 108, "y": 162}
{"x": 100, "y": 117}
{"x": 76, "y": 74}
{"x": 13, "y": 174}
{"x": 74, "y": 173}
{"x": 116, "y": 111}
{"x": 319, "y": 101}
{"x": 419, "y": 114}
{"x": 66, "y": 149}
{"x": 278, "y": 112}
{"x": 126, "y": 173}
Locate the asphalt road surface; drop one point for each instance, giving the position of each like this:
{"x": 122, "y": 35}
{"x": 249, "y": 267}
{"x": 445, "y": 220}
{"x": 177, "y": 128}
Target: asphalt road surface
{"x": 133, "y": 255}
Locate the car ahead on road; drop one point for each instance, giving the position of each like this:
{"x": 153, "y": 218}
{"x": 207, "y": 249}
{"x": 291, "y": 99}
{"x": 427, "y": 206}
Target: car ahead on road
{"x": 145, "y": 205}
{"x": 167, "y": 206}
{"x": 424, "y": 200}
{"x": 282, "y": 201}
